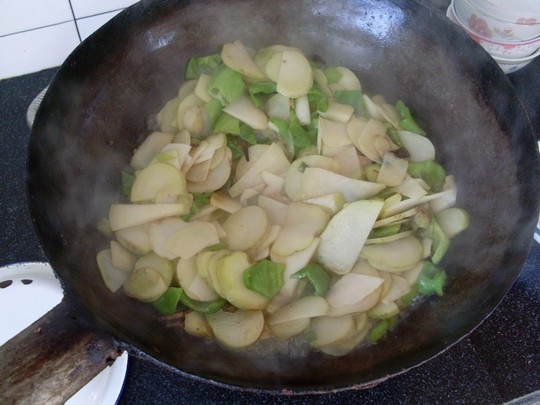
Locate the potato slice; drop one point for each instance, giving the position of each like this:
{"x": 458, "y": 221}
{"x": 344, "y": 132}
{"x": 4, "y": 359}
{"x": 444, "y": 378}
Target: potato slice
{"x": 286, "y": 330}
{"x": 246, "y": 227}
{"x": 122, "y": 258}
{"x": 332, "y": 203}
{"x": 150, "y": 181}
{"x": 149, "y": 148}
{"x": 345, "y": 235}
{"x": 244, "y": 110}
{"x": 166, "y": 118}
{"x": 272, "y": 160}
{"x": 370, "y": 138}
{"x": 135, "y": 239}
{"x": 303, "y": 223}
{"x": 294, "y": 263}
{"x": 191, "y": 281}
{"x": 338, "y": 112}
{"x": 157, "y": 263}
{"x": 295, "y": 74}
{"x": 215, "y": 178}
{"x": 236, "y": 57}
{"x": 396, "y": 256}
{"x": 347, "y": 81}
{"x": 398, "y": 288}
{"x": 306, "y": 307}
{"x": 352, "y": 288}
{"x": 236, "y": 329}
{"x": 145, "y": 284}
{"x": 201, "y": 86}
{"x": 129, "y": 215}
{"x": 361, "y": 306}
{"x": 160, "y": 231}
{"x": 275, "y": 210}
{"x": 333, "y": 133}
{"x": 113, "y": 277}
{"x": 229, "y": 275}
{"x": 191, "y": 239}
{"x": 195, "y": 324}
{"x": 393, "y": 170}
{"x": 419, "y": 147}
{"x": 327, "y": 330}
{"x": 293, "y": 178}
{"x": 453, "y": 220}
{"x": 317, "y": 182}
{"x": 344, "y": 346}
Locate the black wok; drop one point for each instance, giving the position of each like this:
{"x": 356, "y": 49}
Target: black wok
{"x": 95, "y": 113}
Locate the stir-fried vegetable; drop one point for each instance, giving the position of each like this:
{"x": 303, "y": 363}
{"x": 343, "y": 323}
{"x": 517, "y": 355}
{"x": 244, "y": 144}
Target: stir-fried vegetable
{"x": 278, "y": 199}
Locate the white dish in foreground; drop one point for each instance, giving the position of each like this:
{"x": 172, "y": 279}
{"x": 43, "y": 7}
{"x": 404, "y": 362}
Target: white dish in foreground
{"x": 27, "y": 292}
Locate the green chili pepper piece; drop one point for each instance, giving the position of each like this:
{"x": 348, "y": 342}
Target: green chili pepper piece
{"x": 429, "y": 171}
{"x": 407, "y": 121}
{"x": 127, "y": 183}
{"x": 380, "y": 328}
{"x": 431, "y": 280}
{"x": 167, "y": 303}
{"x": 352, "y": 98}
{"x": 265, "y": 278}
{"x": 209, "y": 307}
{"x": 317, "y": 276}
{"x": 202, "y": 64}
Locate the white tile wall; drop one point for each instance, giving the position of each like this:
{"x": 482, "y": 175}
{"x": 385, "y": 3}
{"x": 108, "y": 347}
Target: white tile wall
{"x": 40, "y": 34}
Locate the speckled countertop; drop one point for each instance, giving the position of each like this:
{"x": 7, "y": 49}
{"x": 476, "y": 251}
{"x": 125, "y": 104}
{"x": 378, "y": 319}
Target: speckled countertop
{"x": 497, "y": 363}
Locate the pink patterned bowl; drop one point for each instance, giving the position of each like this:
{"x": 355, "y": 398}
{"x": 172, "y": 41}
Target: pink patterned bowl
{"x": 500, "y": 20}
{"x": 476, "y": 28}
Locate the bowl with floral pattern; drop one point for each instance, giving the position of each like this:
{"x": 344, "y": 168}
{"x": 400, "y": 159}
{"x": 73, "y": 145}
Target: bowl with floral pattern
{"x": 514, "y": 21}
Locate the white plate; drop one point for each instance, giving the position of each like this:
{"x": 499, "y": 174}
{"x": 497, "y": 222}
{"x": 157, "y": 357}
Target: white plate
{"x": 27, "y": 292}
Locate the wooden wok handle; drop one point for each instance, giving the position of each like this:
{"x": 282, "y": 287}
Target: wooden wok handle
{"x": 53, "y": 358}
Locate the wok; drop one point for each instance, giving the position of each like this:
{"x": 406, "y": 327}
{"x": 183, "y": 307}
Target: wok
{"x": 95, "y": 113}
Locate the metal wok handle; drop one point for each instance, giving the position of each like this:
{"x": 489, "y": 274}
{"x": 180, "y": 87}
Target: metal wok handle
{"x": 53, "y": 358}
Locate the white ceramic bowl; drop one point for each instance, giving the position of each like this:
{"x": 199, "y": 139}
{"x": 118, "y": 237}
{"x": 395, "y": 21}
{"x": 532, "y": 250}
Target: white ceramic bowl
{"x": 510, "y": 65}
{"x": 501, "y": 48}
{"x": 500, "y": 20}
{"x": 507, "y": 64}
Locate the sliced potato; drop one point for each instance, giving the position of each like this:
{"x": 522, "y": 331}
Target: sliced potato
{"x": 272, "y": 160}
{"x": 157, "y": 263}
{"x": 236, "y": 57}
{"x": 352, "y": 288}
{"x": 453, "y": 220}
{"x": 244, "y": 110}
{"x": 295, "y": 74}
{"x": 230, "y": 279}
{"x": 159, "y": 233}
{"x": 113, "y": 277}
{"x": 327, "y": 330}
{"x": 396, "y": 256}
{"x": 150, "y": 181}
{"x": 135, "y": 239}
{"x": 246, "y": 227}
{"x": 129, "y": 215}
{"x": 121, "y": 257}
{"x": 195, "y": 324}
{"x": 306, "y": 307}
{"x": 191, "y": 239}
{"x": 145, "y": 284}
{"x": 149, "y": 148}
{"x": 236, "y": 329}
{"x": 317, "y": 182}
{"x": 288, "y": 329}
{"x": 345, "y": 235}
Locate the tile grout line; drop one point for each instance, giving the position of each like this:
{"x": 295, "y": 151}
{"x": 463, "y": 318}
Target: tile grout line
{"x": 75, "y": 20}
{"x": 62, "y": 22}
{"x": 35, "y": 28}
